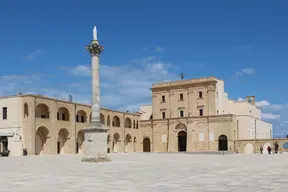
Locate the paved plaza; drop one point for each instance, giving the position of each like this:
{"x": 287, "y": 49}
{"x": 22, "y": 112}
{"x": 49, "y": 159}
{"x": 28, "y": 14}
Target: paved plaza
{"x": 146, "y": 172}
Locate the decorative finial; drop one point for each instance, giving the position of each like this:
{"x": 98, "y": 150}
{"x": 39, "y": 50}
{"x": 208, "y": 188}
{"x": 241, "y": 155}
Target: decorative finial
{"x": 181, "y": 75}
{"x": 94, "y": 33}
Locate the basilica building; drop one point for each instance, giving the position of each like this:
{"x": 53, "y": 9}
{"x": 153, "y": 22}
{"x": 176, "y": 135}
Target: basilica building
{"x": 185, "y": 116}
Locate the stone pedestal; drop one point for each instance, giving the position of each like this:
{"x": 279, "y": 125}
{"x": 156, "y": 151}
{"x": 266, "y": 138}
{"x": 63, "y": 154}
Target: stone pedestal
{"x": 95, "y": 145}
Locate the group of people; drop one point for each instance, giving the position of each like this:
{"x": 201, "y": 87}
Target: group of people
{"x": 269, "y": 149}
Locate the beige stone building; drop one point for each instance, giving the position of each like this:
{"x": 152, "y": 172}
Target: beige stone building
{"x": 187, "y": 115}
{"x": 49, "y": 126}
{"x": 196, "y": 115}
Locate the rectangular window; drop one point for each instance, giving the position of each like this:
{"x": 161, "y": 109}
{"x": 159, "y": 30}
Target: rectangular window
{"x": 163, "y": 98}
{"x": 163, "y": 115}
{"x": 201, "y": 112}
{"x": 181, "y": 96}
{"x": 63, "y": 116}
{"x": 181, "y": 113}
{"x": 200, "y": 94}
{"x": 58, "y": 116}
{"x": 82, "y": 119}
{"x": 4, "y": 113}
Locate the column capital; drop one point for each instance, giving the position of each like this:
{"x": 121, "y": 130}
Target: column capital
{"x": 94, "y": 48}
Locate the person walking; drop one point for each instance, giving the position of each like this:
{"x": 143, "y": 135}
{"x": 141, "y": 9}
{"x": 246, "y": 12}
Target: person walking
{"x": 261, "y": 149}
{"x": 269, "y": 150}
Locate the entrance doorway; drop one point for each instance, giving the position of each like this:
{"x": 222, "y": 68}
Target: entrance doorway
{"x": 182, "y": 141}
{"x": 146, "y": 145}
{"x": 222, "y": 143}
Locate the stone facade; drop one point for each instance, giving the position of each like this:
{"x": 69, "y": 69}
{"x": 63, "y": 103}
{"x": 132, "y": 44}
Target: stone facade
{"x": 48, "y": 126}
{"x": 188, "y": 115}
{"x": 196, "y": 115}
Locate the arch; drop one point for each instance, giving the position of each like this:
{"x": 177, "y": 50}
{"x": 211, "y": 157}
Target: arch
{"x": 108, "y": 120}
{"x": 181, "y": 127}
{"x": 265, "y": 151}
{"x": 182, "y": 141}
{"x": 249, "y": 148}
{"x": 63, "y": 114}
{"x": 222, "y": 143}
{"x": 62, "y": 140}
{"x": 285, "y": 147}
{"x": 41, "y": 138}
{"x": 3, "y": 143}
{"x": 102, "y": 118}
{"x": 128, "y": 143}
{"x": 42, "y": 111}
{"x": 116, "y": 121}
{"x": 116, "y": 143}
{"x": 80, "y": 141}
{"x": 146, "y": 145}
{"x": 128, "y": 123}
{"x": 81, "y": 116}
{"x": 26, "y": 111}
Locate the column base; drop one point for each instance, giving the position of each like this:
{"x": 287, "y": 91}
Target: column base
{"x": 95, "y": 144}
{"x": 96, "y": 159}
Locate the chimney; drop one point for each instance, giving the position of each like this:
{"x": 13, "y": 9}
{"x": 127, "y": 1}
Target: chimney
{"x": 250, "y": 99}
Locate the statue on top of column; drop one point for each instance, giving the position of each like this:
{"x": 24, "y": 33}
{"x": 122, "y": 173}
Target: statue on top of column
{"x": 94, "y": 33}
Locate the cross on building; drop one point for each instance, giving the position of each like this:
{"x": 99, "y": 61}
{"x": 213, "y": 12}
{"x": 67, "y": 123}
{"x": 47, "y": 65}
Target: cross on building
{"x": 181, "y": 75}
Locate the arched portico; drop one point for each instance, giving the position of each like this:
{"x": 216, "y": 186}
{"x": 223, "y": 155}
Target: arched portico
{"x": 116, "y": 143}
{"x": 116, "y": 121}
{"x": 128, "y": 143}
{"x": 265, "y": 151}
{"x": 41, "y": 138}
{"x": 62, "y": 141}
{"x": 63, "y": 114}
{"x": 222, "y": 143}
{"x": 81, "y": 116}
{"x": 128, "y": 123}
{"x": 42, "y": 111}
{"x": 249, "y": 148}
{"x": 80, "y": 141}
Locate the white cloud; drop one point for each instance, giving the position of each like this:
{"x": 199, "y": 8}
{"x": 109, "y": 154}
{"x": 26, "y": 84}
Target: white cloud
{"x": 126, "y": 86}
{"x": 81, "y": 70}
{"x": 33, "y": 55}
{"x": 269, "y": 116}
{"x": 245, "y": 71}
{"x": 262, "y": 103}
{"x": 240, "y": 99}
{"x": 159, "y": 49}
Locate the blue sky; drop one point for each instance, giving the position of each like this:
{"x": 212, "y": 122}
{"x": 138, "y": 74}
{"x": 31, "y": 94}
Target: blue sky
{"x": 245, "y": 43}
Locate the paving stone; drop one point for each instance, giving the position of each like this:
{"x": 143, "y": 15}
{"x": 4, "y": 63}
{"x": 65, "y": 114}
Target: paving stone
{"x": 143, "y": 172}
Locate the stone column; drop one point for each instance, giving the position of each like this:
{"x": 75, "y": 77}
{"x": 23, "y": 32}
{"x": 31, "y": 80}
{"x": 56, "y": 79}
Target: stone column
{"x": 95, "y": 143}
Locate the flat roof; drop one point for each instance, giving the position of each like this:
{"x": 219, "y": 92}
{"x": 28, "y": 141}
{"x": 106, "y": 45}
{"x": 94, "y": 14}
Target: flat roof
{"x": 186, "y": 82}
{"x": 59, "y": 100}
